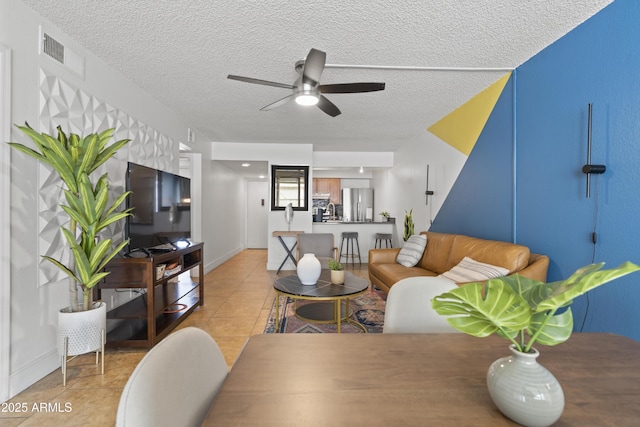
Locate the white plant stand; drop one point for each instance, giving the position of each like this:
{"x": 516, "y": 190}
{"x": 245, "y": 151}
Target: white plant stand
{"x": 81, "y": 332}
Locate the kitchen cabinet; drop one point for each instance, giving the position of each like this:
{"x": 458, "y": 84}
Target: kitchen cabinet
{"x": 330, "y": 186}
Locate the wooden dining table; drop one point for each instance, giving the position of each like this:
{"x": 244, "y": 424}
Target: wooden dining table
{"x": 416, "y": 380}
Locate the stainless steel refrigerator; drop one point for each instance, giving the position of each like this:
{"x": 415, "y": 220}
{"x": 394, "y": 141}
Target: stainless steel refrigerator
{"x": 357, "y": 204}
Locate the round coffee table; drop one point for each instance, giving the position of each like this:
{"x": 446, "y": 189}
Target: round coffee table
{"x": 324, "y": 290}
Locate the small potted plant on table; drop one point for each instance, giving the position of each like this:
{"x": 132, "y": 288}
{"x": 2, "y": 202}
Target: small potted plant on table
{"x": 337, "y": 272}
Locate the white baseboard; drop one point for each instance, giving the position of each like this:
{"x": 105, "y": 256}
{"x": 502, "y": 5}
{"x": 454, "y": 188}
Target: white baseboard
{"x": 34, "y": 372}
{"x": 221, "y": 259}
{"x": 274, "y": 266}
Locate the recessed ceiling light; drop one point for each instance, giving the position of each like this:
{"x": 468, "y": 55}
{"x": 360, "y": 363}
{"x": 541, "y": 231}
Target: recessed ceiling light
{"x": 246, "y": 165}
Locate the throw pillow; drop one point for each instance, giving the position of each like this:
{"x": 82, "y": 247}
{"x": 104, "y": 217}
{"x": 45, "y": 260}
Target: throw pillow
{"x": 469, "y": 270}
{"x": 412, "y": 250}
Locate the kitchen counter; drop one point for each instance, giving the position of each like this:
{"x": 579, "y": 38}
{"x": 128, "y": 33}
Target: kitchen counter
{"x": 366, "y": 233}
{"x": 352, "y": 222}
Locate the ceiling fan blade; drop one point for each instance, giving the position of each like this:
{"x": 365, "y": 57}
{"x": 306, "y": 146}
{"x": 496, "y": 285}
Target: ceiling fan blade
{"x": 313, "y": 67}
{"x": 259, "y": 82}
{"x": 328, "y": 107}
{"x": 278, "y": 103}
{"x": 350, "y": 87}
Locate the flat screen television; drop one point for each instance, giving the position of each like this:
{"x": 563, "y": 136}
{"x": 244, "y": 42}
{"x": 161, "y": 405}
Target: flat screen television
{"x": 161, "y": 203}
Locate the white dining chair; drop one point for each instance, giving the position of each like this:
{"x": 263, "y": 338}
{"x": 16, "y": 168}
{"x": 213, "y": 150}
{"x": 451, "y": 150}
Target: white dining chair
{"x": 408, "y": 308}
{"x": 175, "y": 383}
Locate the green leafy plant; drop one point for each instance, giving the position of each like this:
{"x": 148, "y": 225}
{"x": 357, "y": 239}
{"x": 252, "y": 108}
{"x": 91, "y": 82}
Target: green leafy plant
{"x": 523, "y": 310}
{"x": 74, "y": 158}
{"x": 408, "y": 225}
{"x": 384, "y": 214}
{"x": 335, "y": 265}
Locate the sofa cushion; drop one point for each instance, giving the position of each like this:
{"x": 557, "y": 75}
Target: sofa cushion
{"x": 511, "y": 256}
{"x": 412, "y": 251}
{"x": 391, "y": 273}
{"x": 436, "y": 255}
{"x": 469, "y": 270}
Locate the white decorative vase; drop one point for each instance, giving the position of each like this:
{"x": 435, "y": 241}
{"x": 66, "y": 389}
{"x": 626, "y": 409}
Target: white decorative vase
{"x": 309, "y": 269}
{"x": 524, "y": 390}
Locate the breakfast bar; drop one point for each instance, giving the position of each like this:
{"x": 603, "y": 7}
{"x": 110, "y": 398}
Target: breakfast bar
{"x": 366, "y": 233}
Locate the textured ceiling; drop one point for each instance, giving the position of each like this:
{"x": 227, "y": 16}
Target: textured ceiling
{"x": 181, "y": 53}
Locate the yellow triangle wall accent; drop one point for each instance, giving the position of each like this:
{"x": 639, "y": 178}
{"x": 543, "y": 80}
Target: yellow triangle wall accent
{"x": 461, "y": 128}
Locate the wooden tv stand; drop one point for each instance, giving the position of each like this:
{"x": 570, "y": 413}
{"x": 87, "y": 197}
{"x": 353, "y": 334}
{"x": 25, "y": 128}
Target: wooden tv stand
{"x": 164, "y": 302}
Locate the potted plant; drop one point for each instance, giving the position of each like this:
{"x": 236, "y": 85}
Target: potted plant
{"x": 525, "y": 312}
{"x": 337, "y": 272}
{"x": 385, "y": 216}
{"x": 74, "y": 158}
{"x": 81, "y": 326}
{"x": 408, "y": 225}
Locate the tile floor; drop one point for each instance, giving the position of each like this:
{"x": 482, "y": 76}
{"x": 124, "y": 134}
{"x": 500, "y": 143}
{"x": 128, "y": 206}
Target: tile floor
{"x": 238, "y": 298}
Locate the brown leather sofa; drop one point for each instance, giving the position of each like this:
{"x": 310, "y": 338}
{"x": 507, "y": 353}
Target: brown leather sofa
{"x": 444, "y": 251}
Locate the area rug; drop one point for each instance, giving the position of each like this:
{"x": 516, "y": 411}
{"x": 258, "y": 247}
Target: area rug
{"x": 368, "y": 309}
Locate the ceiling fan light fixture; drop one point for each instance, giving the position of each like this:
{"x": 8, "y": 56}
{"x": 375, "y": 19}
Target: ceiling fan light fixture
{"x": 307, "y": 90}
{"x": 306, "y": 95}
{"x": 306, "y": 99}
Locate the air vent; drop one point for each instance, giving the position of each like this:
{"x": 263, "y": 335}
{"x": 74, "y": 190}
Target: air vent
{"x": 57, "y": 51}
{"x": 53, "y": 48}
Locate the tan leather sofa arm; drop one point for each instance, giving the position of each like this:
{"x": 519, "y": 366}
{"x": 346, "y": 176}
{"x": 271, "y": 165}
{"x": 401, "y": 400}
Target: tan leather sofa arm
{"x": 383, "y": 256}
{"x": 537, "y": 268}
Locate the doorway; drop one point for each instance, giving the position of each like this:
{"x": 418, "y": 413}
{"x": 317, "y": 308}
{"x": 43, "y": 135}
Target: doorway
{"x": 257, "y": 214}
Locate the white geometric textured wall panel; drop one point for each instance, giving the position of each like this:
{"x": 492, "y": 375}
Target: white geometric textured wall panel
{"x": 75, "y": 111}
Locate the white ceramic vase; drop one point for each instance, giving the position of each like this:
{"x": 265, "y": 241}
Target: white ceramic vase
{"x": 309, "y": 269}
{"x": 524, "y": 390}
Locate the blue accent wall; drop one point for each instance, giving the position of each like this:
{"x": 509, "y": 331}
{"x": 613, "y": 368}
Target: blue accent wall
{"x": 480, "y": 203}
{"x": 599, "y": 63}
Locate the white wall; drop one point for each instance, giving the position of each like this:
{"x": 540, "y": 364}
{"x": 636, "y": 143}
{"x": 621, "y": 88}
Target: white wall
{"x": 403, "y": 186}
{"x": 223, "y": 213}
{"x": 34, "y": 308}
{"x": 5, "y": 289}
{"x": 274, "y": 154}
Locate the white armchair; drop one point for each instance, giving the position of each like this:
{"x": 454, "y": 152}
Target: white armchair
{"x": 408, "y": 308}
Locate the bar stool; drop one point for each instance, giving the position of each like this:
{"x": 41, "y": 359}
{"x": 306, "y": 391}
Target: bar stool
{"x": 350, "y": 237}
{"x": 383, "y": 237}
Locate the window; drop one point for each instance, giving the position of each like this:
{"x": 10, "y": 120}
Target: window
{"x": 289, "y": 184}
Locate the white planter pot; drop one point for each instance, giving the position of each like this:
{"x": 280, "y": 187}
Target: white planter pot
{"x": 309, "y": 269}
{"x": 337, "y": 277}
{"x": 81, "y": 332}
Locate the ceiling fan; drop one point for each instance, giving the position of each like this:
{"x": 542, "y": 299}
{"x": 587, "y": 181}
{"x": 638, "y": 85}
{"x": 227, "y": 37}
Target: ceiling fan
{"x": 307, "y": 90}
